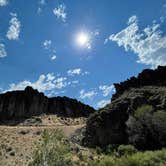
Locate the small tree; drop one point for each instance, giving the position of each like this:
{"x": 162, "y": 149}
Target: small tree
{"x": 53, "y": 150}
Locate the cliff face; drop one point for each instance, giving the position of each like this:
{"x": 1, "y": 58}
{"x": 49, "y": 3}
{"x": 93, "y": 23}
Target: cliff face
{"x": 136, "y": 115}
{"x": 27, "y": 103}
{"x": 63, "y": 106}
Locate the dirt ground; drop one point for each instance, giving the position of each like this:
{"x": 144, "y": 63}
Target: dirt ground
{"x": 17, "y": 143}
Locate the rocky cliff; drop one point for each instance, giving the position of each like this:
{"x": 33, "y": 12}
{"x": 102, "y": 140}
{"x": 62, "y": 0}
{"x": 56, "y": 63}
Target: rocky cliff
{"x": 29, "y": 102}
{"x": 146, "y": 77}
{"x": 136, "y": 115}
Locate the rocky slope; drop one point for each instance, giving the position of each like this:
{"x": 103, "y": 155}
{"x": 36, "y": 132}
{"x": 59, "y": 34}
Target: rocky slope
{"x": 136, "y": 115}
{"x": 29, "y": 102}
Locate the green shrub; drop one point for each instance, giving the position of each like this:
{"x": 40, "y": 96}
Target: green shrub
{"x": 107, "y": 161}
{"x": 111, "y": 148}
{"x": 141, "y": 111}
{"x": 159, "y": 127}
{"x": 126, "y": 150}
{"x": 140, "y": 128}
{"x": 54, "y": 150}
{"x": 98, "y": 150}
{"x": 149, "y": 158}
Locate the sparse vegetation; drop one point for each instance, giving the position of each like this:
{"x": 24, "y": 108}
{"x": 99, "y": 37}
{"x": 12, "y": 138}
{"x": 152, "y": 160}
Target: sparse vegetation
{"x": 148, "y": 158}
{"x": 111, "y": 148}
{"x": 126, "y": 150}
{"x": 141, "y": 111}
{"x": 123, "y": 133}
{"x": 54, "y": 150}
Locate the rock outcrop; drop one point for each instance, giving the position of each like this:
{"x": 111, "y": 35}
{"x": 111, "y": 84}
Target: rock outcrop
{"x": 64, "y": 106}
{"x": 29, "y": 102}
{"x": 136, "y": 115}
{"x": 146, "y": 77}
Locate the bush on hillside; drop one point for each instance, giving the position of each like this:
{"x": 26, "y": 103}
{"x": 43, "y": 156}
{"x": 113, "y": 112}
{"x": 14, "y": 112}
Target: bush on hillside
{"x": 126, "y": 150}
{"x": 54, "y": 150}
{"x": 147, "y": 128}
{"x": 159, "y": 126}
{"x": 149, "y": 158}
{"x": 142, "y": 111}
{"x": 111, "y": 148}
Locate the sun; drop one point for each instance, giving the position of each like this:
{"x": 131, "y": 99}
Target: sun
{"x": 83, "y": 40}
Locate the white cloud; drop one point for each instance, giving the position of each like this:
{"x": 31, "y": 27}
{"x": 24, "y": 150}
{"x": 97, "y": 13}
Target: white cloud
{"x": 3, "y": 2}
{"x": 132, "y": 19}
{"x": 106, "y": 89}
{"x": 3, "y": 52}
{"x": 47, "y": 44}
{"x": 39, "y": 10}
{"x": 60, "y": 82}
{"x": 73, "y": 83}
{"x": 88, "y": 94}
{"x": 95, "y": 33}
{"x": 77, "y": 71}
{"x": 163, "y": 14}
{"x": 42, "y": 2}
{"x": 103, "y": 103}
{"x": 50, "y": 77}
{"x": 60, "y": 12}
{"x": 14, "y": 28}
{"x": 55, "y": 93}
{"x": 149, "y": 44}
{"x": 86, "y": 73}
{"x": 40, "y": 7}
{"x": 73, "y": 72}
{"x": 45, "y": 83}
{"x": 53, "y": 57}
{"x": 106, "y": 40}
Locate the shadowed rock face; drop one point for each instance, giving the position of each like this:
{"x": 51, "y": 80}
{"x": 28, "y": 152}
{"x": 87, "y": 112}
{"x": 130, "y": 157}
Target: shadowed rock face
{"x": 63, "y": 106}
{"x": 116, "y": 123}
{"x": 27, "y": 103}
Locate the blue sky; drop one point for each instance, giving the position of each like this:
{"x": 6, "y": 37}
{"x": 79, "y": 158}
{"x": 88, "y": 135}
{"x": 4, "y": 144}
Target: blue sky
{"x": 79, "y": 48}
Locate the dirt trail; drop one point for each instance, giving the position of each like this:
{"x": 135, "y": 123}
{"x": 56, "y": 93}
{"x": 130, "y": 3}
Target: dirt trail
{"x": 68, "y": 130}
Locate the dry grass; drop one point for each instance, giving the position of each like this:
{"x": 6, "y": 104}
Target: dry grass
{"x": 17, "y": 142}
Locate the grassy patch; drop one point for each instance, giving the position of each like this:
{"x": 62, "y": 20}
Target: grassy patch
{"x": 149, "y": 158}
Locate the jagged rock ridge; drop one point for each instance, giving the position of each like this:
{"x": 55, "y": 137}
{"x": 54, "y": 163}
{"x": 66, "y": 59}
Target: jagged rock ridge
{"x": 29, "y": 102}
{"x": 155, "y": 77}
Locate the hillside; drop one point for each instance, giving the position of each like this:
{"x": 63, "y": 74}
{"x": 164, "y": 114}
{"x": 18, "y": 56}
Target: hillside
{"x": 122, "y": 132}
{"x": 26, "y": 114}
{"x": 136, "y": 114}
{"x": 18, "y": 142}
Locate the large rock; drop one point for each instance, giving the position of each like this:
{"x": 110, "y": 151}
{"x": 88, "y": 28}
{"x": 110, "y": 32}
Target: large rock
{"x": 118, "y": 122}
{"x": 29, "y": 102}
{"x": 22, "y": 104}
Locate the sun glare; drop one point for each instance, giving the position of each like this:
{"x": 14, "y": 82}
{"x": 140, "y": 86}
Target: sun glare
{"x": 83, "y": 40}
